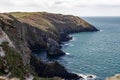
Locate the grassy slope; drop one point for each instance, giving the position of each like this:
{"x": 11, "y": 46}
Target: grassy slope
{"x": 34, "y": 19}
{"x": 47, "y": 21}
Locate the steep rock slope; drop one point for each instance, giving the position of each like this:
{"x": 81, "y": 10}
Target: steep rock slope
{"x": 25, "y": 32}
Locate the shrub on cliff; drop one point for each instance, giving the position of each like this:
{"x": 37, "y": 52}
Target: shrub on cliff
{"x": 12, "y": 62}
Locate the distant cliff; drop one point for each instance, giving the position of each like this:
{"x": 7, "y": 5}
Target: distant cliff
{"x": 24, "y": 32}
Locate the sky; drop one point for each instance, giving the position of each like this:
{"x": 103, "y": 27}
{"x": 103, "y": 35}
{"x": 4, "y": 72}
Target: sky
{"x": 72, "y": 7}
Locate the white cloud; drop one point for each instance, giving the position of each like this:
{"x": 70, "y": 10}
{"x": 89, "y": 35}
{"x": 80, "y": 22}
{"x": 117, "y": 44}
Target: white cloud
{"x": 76, "y": 7}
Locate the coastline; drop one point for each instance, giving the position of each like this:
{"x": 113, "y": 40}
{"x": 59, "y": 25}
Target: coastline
{"x": 35, "y": 31}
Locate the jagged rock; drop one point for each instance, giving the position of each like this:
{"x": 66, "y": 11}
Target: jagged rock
{"x": 4, "y": 38}
{"x": 65, "y": 36}
{"x": 51, "y": 69}
{"x": 53, "y": 48}
{"x": 90, "y": 76}
{"x": 4, "y": 67}
{"x": 28, "y": 76}
{"x": 2, "y": 52}
{"x": 81, "y": 77}
{"x": 6, "y": 70}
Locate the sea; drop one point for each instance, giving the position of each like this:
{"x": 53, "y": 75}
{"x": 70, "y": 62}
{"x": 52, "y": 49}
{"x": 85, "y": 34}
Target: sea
{"x": 95, "y": 54}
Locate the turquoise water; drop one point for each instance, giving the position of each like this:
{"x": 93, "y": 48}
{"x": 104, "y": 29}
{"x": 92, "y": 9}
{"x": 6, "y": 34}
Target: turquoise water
{"x": 96, "y": 53}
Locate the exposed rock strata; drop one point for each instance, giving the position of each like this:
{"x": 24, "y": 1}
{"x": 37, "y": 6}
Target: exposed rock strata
{"x": 32, "y": 31}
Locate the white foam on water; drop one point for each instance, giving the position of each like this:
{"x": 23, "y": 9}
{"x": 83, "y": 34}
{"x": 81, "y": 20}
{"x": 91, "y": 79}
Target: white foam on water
{"x": 73, "y": 39}
{"x": 88, "y": 76}
{"x": 101, "y": 30}
{"x": 70, "y": 44}
{"x": 66, "y": 44}
{"x": 67, "y": 53}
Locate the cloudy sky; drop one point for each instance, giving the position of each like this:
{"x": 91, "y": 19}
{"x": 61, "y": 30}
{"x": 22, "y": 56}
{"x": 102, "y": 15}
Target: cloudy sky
{"x": 75, "y": 7}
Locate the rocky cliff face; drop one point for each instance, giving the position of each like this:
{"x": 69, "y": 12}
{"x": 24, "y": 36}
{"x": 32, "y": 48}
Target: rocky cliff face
{"x": 25, "y": 32}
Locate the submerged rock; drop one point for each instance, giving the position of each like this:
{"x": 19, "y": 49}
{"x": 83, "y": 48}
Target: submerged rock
{"x": 90, "y": 76}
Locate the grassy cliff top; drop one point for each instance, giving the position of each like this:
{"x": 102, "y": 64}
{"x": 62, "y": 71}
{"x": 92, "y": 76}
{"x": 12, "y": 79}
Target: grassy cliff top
{"x": 49, "y": 22}
{"x": 33, "y": 18}
{"x": 44, "y": 18}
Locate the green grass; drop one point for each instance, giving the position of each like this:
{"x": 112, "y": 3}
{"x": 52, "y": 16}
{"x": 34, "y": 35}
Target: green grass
{"x": 20, "y": 14}
{"x": 14, "y": 61}
{"x": 35, "y": 19}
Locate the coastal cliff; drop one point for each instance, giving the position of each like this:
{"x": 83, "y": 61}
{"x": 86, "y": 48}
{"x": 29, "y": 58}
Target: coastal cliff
{"x": 22, "y": 32}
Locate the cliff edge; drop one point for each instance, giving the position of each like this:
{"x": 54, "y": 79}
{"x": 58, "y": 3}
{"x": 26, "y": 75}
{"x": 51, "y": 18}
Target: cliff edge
{"x": 23, "y": 32}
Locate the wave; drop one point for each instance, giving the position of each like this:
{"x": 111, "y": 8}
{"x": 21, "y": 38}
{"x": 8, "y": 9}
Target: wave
{"x": 67, "y": 44}
{"x": 73, "y": 39}
{"x": 67, "y": 53}
{"x": 70, "y": 44}
{"x": 88, "y": 77}
{"x": 101, "y": 30}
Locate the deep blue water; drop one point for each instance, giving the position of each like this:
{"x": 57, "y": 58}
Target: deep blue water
{"x": 96, "y": 53}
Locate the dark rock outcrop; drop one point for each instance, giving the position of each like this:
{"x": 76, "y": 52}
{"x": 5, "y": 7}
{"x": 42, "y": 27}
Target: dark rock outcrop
{"x": 64, "y": 36}
{"x": 53, "y": 48}
{"x": 51, "y": 69}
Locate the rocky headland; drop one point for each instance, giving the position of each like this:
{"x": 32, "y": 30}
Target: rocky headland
{"x": 23, "y": 32}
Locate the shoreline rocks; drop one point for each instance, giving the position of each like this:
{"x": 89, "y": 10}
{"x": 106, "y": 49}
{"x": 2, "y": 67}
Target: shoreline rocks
{"x": 116, "y": 77}
{"x": 65, "y": 37}
{"x": 51, "y": 69}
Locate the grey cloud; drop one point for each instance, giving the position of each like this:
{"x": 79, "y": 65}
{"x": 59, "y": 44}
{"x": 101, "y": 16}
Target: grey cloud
{"x": 100, "y": 5}
{"x": 107, "y": 5}
{"x": 82, "y": 6}
{"x": 6, "y": 3}
{"x": 58, "y": 2}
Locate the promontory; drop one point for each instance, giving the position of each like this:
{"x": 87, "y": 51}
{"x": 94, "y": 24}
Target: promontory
{"x": 21, "y": 33}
